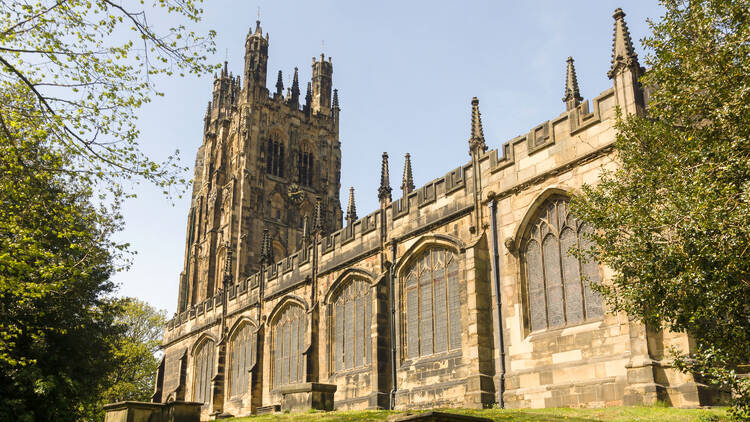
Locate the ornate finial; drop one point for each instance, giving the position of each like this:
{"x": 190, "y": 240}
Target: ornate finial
{"x": 335, "y": 104}
{"x": 408, "y": 183}
{"x": 258, "y": 30}
{"x": 351, "y": 209}
{"x": 623, "y": 53}
{"x": 308, "y": 98}
{"x": 228, "y": 263}
{"x": 476, "y": 142}
{"x": 224, "y": 72}
{"x": 572, "y": 96}
{"x": 295, "y": 88}
{"x": 266, "y": 250}
{"x": 384, "y": 191}
{"x": 318, "y": 217}
{"x": 279, "y": 84}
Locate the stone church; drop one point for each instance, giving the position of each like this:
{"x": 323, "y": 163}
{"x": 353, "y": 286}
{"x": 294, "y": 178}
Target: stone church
{"x": 460, "y": 293}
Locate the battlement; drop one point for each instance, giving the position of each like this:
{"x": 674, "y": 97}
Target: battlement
{"x": 227, "y": 96}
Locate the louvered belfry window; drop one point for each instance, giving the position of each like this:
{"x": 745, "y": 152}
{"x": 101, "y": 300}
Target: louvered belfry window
{"x": 242, "y": 356}
{"x": 433, "y": 306}
{"x": 558, "y": 284}
{"x": 204, "y": 371}
{"x": 288, "y": 345}
{"x": 350, "y": 318}
{"x": 305, "y": 163}
{"x": 275, "y": 156}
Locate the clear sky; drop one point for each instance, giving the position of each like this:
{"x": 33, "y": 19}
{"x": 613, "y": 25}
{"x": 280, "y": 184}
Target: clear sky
{"x": 406, "y": 72}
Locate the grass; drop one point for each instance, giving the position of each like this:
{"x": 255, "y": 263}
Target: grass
{"x": 615, "y": 414}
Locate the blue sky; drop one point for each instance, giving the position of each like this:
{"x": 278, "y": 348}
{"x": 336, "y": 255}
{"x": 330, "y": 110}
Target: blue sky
{"x": 406, "y": 73}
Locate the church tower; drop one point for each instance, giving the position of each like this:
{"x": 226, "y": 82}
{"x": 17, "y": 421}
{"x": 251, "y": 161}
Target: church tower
{"x": 264, "y": 162}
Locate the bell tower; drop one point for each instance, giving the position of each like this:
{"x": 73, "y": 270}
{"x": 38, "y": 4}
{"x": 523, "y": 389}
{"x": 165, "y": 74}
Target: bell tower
{"x": 266, "y": 161}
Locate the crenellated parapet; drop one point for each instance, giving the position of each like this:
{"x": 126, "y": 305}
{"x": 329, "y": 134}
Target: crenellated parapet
{"x": 567, "y": 125}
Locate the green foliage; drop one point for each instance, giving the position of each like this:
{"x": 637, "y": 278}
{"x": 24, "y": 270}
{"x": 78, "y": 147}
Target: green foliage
{"x": 57, "y": 328}
{"x": 89, "y": 64}
{"x": 673, "y": 220}
{"x": 72, "y": 74}
{"x": 136, "y": 352}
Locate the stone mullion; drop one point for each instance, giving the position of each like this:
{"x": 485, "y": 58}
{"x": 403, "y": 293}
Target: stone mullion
{"x": 432, "y": 302}
{"x": 560, "y": 262}
{"x": 580, "y": 273}
{"x": 419, "y": 313}
{"x": 544, "y": 279}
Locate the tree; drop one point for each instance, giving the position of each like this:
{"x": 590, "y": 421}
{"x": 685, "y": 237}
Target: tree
{"x": 673, "y": 221}
{"x": 57, "y": 327}
{"x": 86, "y": 66}
{"x": 72, "y": 74}
{"x": 136, "y": 352}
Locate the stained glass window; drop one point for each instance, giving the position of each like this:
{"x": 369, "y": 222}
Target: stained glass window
{"x": 433, "y": 308}
{"x": 558, "y": 284}
{"x": 275, "y": 156}
{"x": 242, "y": 356}
{"x": 204, "y": 371}
{"x": 350, "y": 317}
{"x": 288, "y": 345}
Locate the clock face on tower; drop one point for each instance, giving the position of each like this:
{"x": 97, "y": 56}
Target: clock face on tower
{"x": 296, "y": 195}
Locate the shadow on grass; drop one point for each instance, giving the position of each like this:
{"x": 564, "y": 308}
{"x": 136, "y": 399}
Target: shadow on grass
{"x": 610, "y": 414}
{"x": 525, "y": 415}
{"x": 381, "y": 415}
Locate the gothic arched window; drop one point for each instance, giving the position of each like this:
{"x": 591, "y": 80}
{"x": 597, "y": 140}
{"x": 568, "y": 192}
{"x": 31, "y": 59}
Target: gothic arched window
{"x": 558, "y": 285}
{"x": 275, "y": 156}
{"x": 305, "y": 165}
{"x": 430, "y": 290}
{"x": 288, "y": 345}
{"x": 349, "y": 322}
{"x": 203, "y": 371}
{"x": 242, "y": 348}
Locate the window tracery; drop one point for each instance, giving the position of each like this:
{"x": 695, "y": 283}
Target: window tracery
{"x": 430, "y": 294}
{"x": 558, "y": 284}
{"x": 204, "y": 371}
{"x": 349, "y": 322}
{"x": 305, "y": 165}
{"x": 288, "y": 345}
{"x": 275, "y": 156}
{"x": 242, "y": 357}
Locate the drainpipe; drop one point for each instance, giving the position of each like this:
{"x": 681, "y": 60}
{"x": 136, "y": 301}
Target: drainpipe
{"x": 498, "y": 299}
{"x": 393, "y": 324}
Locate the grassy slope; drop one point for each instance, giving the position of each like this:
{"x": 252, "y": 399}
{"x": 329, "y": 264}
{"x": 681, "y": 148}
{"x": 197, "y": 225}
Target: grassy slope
{"x": 621, "y": 414}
